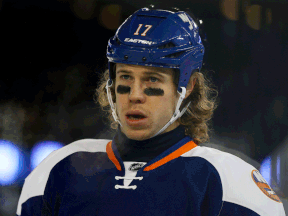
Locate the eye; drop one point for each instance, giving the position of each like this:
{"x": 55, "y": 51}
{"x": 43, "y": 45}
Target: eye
{"x": 154, "y": 78}
{"x": 124, "y": 76}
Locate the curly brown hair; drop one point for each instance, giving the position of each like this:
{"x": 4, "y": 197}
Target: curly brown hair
{"x": 196, "y": 119}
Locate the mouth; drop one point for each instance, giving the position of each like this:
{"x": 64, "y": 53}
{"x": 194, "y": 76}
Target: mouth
{"x": 136, "y": 120}
{"x": 135, "y": 117}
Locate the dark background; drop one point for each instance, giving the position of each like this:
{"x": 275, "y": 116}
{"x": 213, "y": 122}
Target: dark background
{"x": 52, "y": 53}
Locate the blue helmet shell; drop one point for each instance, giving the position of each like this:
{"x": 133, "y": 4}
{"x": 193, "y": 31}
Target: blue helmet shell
{"x": 158, "y": 38}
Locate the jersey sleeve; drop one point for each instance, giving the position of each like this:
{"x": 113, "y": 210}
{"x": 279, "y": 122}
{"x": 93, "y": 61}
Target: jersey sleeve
{"x": 246, "y": 192}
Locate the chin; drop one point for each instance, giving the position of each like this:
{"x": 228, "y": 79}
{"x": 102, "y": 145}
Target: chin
{"x": 137, "y": 135}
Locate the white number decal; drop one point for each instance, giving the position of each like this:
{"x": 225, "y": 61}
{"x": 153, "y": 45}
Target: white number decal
{"x": 144, "y": 33}
{"x": 148, "y": 27}
{"x": 138, "y": 29}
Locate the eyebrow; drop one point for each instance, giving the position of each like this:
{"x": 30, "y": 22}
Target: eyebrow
{"x": 146, "y": 72}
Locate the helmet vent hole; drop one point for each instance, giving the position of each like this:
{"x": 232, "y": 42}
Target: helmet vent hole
{"x": 118, "y": 41}
{"x": 175, "y": 55}
{"x": 167, "y": 45}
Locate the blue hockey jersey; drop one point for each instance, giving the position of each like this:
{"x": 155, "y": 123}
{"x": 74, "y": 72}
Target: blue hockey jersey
{"x": 98, "y": 177}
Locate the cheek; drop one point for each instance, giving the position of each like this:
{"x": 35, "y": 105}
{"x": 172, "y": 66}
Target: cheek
{"x": 164, "y": 104}
{"x": 170, "y": 101}
{"x": 121, "y": 101}
{"x": 164, "y": 98}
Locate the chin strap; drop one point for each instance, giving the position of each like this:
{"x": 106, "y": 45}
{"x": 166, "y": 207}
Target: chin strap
{"x": 111, "y": 102}
{"x": 177, "y": 114}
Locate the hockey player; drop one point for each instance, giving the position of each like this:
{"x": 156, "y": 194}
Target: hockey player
{"x": 154, "y": 165}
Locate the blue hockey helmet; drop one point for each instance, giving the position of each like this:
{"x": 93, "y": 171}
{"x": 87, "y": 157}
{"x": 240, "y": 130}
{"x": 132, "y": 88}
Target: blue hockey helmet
{"x": 157, "y": 38}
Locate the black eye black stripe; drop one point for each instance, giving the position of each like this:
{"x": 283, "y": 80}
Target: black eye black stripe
{"x": 148, "y": 91}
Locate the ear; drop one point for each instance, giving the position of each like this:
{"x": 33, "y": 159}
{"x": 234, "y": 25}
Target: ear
{"x": 190, "y": 86}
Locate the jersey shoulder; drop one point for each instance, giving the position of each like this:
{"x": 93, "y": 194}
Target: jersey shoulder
{"x": 35, "y": 182}
{"x": 242, "y": 183}
{"x": 86, "y": 145}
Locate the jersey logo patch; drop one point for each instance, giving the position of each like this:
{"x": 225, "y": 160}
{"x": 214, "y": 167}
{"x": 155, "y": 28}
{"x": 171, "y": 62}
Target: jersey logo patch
{"x": 264, "y": 186}
{"x": 135, "y": 167}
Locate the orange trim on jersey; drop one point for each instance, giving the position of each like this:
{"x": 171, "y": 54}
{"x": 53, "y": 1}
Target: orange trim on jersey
{"x": 112, "y": 156}
{"x": 185, "y": 148}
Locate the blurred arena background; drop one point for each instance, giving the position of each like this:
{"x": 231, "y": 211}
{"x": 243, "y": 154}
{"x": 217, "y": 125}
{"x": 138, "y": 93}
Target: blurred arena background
{"x": 52, "y": 52}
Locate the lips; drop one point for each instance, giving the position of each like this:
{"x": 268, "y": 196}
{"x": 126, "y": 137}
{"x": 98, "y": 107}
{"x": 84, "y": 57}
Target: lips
{"x": 136, "y": 113}
{"x": 137, "y": 123}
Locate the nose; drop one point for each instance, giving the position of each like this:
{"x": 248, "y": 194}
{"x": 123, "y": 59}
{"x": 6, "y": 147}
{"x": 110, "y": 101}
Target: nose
{"x": 136, "y": 93}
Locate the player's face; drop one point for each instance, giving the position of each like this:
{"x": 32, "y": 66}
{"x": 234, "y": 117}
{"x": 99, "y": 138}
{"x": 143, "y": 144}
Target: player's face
{"x": 152, "y": 94}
